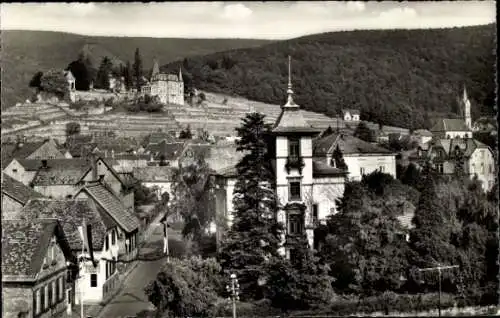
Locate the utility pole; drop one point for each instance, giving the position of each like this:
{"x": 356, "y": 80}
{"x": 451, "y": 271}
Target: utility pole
{"x": 439, "y": 268}
{"x": 234, "y": 289}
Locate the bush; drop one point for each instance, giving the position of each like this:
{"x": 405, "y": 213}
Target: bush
{"x": 186, "y": 287}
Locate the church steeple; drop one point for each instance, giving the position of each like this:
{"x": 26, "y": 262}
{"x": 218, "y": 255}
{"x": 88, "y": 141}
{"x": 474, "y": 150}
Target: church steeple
{"x": 180, "y": 74}
{"x": 290, "y": 102}
{"x": 466, "y": 107}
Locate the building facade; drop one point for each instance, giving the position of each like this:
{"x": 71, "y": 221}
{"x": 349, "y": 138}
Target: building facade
{"x": 169, "y": 88}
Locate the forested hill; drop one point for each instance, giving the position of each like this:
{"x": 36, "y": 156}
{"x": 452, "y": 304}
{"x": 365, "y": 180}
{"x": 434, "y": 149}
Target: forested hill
{"x": 26, "y": 52}
{"x": 396, "y": 77}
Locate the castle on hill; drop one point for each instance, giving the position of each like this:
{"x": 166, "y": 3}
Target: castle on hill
{"x": 169, "y": 88}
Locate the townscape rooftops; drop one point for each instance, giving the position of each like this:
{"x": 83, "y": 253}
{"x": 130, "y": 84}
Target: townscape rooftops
{"x": 347, "y": 144}
{"x": 18, "y": 151}
{"x": 466, "y": 145}
{"x": 17, "y": 190}
{"x": 450, "y": 124}
{"x": 59, "y": 171}
{"x": 154, "y": 174}
{"x": 170, "y": 151}
{"x": 113, "y": 206}
{"x": 24, "y": 245}
{"x": 291, "y": 120}
{"x": 71, "y": 214}
{"x": 422, "y": 133}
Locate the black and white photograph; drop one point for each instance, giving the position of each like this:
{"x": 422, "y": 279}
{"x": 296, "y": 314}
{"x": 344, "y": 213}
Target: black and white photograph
{"x": 240, "y": 159}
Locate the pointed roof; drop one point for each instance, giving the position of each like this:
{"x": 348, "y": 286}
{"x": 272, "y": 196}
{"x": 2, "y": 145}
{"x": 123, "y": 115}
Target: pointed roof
{"x": 17, "y": 190}
{"x": 156, "y": 68}
{"x": 291, "y": 120}
{"x": 180, "y": 73}
{"x": 450, "y": 124}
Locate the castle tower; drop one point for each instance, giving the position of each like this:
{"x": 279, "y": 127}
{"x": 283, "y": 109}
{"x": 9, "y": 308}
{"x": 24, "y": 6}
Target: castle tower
{"x": 294, "y": 170}
{"x": 466, "y": 108}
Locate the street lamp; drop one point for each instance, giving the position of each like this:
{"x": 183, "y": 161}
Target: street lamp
{"x": 234, "y": 291}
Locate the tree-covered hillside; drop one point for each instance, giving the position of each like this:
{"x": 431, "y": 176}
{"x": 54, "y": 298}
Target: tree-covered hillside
{"x": 395, "y": 77}
{"x": 26, "y": 52}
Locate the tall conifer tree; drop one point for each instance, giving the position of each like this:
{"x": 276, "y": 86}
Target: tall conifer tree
{"x": 254, "y": 237}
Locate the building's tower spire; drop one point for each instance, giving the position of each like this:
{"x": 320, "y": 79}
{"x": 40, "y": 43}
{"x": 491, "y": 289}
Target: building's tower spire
{"x": 180, "y": 73}
{"x": 290, "y": 101}
{"x": 467, "y": 106}
{"x": 156, "y": 68}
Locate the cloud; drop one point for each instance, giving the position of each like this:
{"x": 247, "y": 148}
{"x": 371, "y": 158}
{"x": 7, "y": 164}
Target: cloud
{"x": 398, "y": 14}
{"x": 356, "y": 6}
{"x": 236, "y": 12}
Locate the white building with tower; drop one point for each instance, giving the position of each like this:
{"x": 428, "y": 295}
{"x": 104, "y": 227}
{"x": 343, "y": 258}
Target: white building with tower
{"x": 169, "y": 88}
{"x": 306, "y": 188}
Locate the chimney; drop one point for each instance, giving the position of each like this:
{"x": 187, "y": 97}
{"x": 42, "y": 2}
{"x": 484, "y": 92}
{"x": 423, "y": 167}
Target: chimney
{"x": 44, "y": 164}
{"x": 93, "y": 162}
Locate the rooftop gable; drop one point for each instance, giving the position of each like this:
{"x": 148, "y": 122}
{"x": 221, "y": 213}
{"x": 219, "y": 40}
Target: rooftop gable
{"x": 71, "y": 214}
{"x": 25, "y": 244}
{"x": 450, "y": 124}
{"x": 17, "y": 190}
{"x": 348, "y": 145}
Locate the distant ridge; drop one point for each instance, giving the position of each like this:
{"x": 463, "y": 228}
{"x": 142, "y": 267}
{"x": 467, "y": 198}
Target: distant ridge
{"x": 399, "y": 77}
{"x": 26, "y": 52}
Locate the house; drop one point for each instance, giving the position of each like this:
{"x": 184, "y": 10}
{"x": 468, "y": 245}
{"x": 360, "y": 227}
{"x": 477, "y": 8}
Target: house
{"x": 128, "y": 161}
{"x": 62, "y": 178}
{"x": 127, "y": 224}
{"x": 168, "y": 153}
{"x": 451, "y": 128}
{"x": 23, "y": 170}
{"x": 485, "y": 124}
{"x": 422, "y": 136}
{"x": 30, "y": 150}
{"x": 15, "y": 195}
{"x": 36, "y": 260}
{"x": 193, "y": 152}
{"x": 71, "y": 80}
{"x": 306, "y": 188}
{"x": 478, "y": 158}
{"x": 100, "y": 281}
{"x": 350, "y": 115}
{"x": 361, "y": 157}
{"x": 160, "y": 178}
{"x": 169, "y": 88}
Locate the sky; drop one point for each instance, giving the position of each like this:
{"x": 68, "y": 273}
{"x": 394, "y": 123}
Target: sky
{"x": 258, "y": 20}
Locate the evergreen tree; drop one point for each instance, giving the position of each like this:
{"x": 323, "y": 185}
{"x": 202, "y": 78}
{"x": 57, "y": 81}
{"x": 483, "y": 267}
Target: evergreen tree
{"x": 36, "y": 80}
{"x": 137, "y": 68}
{"x": 102, "y": 80}
{"x": 411, "y": 176}
{"x": 458, "y": 163}
{"x": 363, "y": 132}
{"x": 129, "y": 78}
{"x": 254, "y": 236}
{"x": 338, "y": 159}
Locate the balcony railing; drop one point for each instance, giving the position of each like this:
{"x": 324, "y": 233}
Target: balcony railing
{"x": 294, "y": 162}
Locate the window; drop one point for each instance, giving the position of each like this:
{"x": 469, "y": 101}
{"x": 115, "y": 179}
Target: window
{"x": 482, "y": 168}
{"x": 382, "y": 169}
{"x": 51, "y": 294}
{"x": 107, "y": 242}
{"x": 14, "y": 170}
{"x": 362, "y": 171}
{"x": 68, "y": 294}
{"x": 68, "y": 276}
{"x": 113, "y": 237}
{"x": 46, "y": 292}
{"x": 57, "y": 296}
{"x": 294, "y": 148}
{"x": 37, "y": 303}
{"x": 439, "y": 167}
{"x": 293, "y": 255}
{"x": 93, "y": 280}
{"x": 113, "y": 266}
{"x": 295, "y": 223}
{"x": 315, "y": 213}
{"x": 61, "y": 288}
{"x": 295, "y": 190}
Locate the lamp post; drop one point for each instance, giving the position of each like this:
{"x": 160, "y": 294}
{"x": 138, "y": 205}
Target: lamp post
{"x": 234, "y": 291}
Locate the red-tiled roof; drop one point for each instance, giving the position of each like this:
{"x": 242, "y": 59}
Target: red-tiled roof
{"x": 17, "y": 191}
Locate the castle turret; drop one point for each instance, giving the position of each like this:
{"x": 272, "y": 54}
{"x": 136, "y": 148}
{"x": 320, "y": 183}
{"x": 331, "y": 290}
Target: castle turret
{"x": 180, "y": 74}
{"x": 156, "y": 69}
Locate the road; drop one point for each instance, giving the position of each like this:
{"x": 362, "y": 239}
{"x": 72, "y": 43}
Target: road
{"x": 132, "y": 299}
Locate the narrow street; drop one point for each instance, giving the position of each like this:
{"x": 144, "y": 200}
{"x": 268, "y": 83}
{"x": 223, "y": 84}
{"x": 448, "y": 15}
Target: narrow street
{"x": 132, "y": 299}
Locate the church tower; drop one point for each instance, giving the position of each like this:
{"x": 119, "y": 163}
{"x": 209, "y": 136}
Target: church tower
{"x": 294, "y": 171}
{"x": 466, "y": 107}
{"x": 156, "y": 69}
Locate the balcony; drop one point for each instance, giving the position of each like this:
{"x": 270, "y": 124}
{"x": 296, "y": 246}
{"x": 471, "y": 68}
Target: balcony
{"x": 294, "y": 162}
